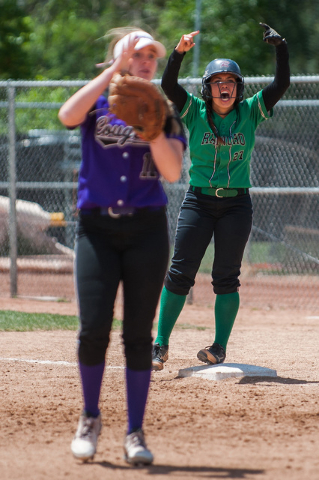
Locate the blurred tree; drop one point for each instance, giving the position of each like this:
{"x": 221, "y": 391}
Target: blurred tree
{"x": 64, "y": 40}
{"x": 230, "y": 28}
{"x": 68, "y": 40}
{"x": 14, "y": 38}
{"x": 299, "y": 22}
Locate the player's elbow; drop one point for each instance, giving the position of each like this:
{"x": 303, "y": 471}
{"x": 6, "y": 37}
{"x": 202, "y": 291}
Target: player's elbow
{"x": 173, "y": 172}
{"x": 68, "y": 119}
{"x": 173, "y": 177}
{"x": 63, "y": 117}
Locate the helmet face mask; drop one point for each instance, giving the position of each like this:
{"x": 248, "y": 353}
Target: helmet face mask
{"x": 220, "y": 84}
{"x": 222, "y": 65}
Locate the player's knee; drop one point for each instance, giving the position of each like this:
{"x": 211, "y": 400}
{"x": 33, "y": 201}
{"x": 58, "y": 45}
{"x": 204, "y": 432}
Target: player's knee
{"x": 223, "y": 288}
{"x": 92, "y": 349}
{"x": 178, "y": 284}
{"x": 138, "y": 354}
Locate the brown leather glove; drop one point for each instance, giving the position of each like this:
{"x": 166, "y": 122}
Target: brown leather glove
{"x": 139, "y": 103}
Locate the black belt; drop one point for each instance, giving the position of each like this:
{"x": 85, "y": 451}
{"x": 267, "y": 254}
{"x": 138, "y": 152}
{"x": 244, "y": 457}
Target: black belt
{"x": 117, "y": 212}
{"x": 220, "y": 192}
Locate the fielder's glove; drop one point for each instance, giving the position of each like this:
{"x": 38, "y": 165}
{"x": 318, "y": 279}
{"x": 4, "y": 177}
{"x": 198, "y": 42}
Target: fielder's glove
{"x": 271, "y": 36}
{"x": 139, "y": 103}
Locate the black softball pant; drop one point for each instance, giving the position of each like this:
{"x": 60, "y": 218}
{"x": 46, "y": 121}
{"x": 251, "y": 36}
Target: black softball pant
{"x": 229, "y": 221}
{"x": 133, "y": 250}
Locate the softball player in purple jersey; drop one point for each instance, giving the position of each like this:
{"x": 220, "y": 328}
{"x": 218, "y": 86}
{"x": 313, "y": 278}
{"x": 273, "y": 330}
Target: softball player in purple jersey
{"x": 121, "y": 236}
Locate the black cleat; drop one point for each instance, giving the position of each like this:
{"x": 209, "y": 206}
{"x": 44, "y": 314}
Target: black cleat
{"x": 212, "y": 355}
{"x": 159, "y": 356}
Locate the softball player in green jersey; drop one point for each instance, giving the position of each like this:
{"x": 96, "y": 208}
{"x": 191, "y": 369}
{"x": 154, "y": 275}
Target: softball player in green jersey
{"x": 221, "y": 139}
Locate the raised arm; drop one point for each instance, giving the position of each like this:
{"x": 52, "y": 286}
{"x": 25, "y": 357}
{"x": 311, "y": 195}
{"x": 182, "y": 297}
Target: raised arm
{"x": 175, "y": 92}
{"x": 276, "y": 89}
{"x": 75, "y": 109}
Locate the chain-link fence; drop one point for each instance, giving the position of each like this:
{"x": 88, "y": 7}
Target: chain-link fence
{"x": 39, "y": 163}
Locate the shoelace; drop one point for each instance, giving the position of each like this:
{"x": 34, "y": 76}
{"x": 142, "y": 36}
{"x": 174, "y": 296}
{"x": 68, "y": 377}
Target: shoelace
{"x": 158, "y": 351}
{"x": 137, "y": 440}
{"x": 87, "y": 428}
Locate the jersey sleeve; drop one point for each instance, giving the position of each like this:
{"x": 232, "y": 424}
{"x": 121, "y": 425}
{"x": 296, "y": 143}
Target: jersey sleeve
{"x": 258, "y": 111}
{"x": 188, "y": 114}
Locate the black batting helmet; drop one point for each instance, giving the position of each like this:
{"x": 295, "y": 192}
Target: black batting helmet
{"x": 222, "y": 65}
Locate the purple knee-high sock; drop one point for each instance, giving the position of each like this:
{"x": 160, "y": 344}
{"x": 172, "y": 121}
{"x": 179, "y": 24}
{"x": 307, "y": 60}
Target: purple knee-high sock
{"x": 137, "y": 385}
{"x": 91, "y": 377}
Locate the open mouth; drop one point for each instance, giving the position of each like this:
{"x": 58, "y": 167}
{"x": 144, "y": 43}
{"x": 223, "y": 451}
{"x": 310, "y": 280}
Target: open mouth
{"x": 225, "y": 96}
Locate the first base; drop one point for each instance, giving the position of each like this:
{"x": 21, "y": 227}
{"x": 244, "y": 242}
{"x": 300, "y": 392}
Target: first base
{"x": 227, "y": 370}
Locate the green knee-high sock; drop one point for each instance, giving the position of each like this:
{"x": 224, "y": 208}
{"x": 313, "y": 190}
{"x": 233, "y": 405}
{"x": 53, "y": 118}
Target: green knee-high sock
{"x": 171, "y": 306}
{"x": 226, "y": 308}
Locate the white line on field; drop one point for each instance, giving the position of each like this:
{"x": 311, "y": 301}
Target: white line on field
{"x": 46, "y": 362}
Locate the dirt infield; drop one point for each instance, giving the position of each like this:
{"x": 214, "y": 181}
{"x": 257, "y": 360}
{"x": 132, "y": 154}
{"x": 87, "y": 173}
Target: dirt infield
{"x": 246, "y": 428}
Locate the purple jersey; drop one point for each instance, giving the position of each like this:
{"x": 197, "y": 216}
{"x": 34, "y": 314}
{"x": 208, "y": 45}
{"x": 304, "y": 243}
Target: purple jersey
{"x": 117, "y": 168}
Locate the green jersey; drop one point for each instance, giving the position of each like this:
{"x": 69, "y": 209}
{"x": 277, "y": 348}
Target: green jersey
{"x": 226, "y": 165}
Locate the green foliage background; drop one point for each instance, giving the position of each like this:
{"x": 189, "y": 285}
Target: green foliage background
{"x": 55, "y": 39}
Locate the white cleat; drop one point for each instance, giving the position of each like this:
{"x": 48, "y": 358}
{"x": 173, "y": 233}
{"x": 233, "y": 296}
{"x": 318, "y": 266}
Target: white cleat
{"x": 135, "y": 449}
{"x": 84, "y": 443}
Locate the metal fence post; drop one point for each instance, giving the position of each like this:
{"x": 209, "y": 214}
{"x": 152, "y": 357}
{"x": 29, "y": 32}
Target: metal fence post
{"x": 12, "y": 192}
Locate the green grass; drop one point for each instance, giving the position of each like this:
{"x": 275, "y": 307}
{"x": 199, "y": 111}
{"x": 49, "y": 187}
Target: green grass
{"x": 187, "y": 326}
{"x": 11, "y": 321}
{"x": 207, "y": 261}
{"x": 266, "y": 252}
{"x": 28, "y": 322}
{"x": 259, "y": 252}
